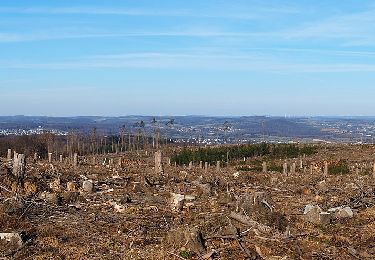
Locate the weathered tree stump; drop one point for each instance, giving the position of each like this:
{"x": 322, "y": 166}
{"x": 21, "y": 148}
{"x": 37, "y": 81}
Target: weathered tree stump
{"x": 158, "y": 163}
{"x": 325, "y": 172}
{"x": 19, "y": 166}
{"x": 190, "y": 165}
{"x": 195, "y": 241}
{"x": 285, "y": 168}
{"x": 75, "y": 160}
{"x": 218, "y": 166}
{"x": 9, "y": 155}
{"x": 169, "y": 161}
{"x": 264, "y": 167}
{"x": 293, "y": 168}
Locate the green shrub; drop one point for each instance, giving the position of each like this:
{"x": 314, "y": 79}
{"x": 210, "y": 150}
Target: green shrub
{"x": 275, "y": 168}
{"x": 185, "y": 254}
{"x": 340, "y": 168}
{"x": 243, "y": 168}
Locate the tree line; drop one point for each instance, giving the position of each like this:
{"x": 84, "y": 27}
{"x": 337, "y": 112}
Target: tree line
{"x": 224, "y": 154}
{"x": 81, "y": 143}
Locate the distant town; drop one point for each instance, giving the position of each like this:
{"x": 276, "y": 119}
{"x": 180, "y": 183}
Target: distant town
{"x": 205, "y": 130}
{"x": 34, "y": 131}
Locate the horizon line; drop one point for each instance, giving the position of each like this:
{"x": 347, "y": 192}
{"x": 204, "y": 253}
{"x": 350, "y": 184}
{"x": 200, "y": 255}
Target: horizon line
{"x": 191, "y": 115}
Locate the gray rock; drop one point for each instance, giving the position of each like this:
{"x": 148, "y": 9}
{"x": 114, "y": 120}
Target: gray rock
{"x": 345, "y": 213}
{"x": 342, "y": 212}
{"x": 88, "y": 186}
{"x": 12, "y": 237}
{"x": 177, "y": 201}
{"x": 314, "y": 214}
{"x": 308, "y": 208}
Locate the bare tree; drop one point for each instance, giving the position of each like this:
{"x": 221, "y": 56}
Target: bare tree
{"x": 94, "y": 143}
{"x": 122, "y": 136}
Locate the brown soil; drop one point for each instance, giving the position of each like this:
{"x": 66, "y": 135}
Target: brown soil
{"x": 130, "y": 216}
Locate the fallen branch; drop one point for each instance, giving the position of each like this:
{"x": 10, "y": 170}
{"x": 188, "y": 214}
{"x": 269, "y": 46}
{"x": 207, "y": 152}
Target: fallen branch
{"x": 267, "y": 239}
{"x": 243, "y": 248}
{"x": 6, "y": 189}
{"x": 248, "y": 222}
{"x": 267, "y": 205}
{"x": 237, "y": 237}
{"x": 220, "y": 237}
{"x": 27, "y": 208}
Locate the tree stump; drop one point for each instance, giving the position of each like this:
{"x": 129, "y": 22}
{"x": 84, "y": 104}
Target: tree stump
{"x": 190, "y": 165}
{"x": 158, "y": 163}
{"x": 19, "y": 167}
{"x": 195, "y": 241}
{"x": 9, "y": 155}
{"x": 325, "y": 172}
{"x": 218, "y": 166}
{"x": 285, "y": 168}
{"x": 75, "y": 160}
{"x": 264, "y": 167}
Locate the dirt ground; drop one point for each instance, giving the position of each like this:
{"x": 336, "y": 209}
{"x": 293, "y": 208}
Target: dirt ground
{"x": 226, "y": 214}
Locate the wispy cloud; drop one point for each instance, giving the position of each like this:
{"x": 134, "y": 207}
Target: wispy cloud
{"x": 256, "y": 62}
{"x": 351, "y": 28}
{"x": 91, "y": 11}
{"x": 257, "y": 12}
{"x": 306, "y": 51}
{"x": 47, "y": 35}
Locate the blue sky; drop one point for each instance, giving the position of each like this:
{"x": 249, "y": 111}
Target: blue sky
{"x": 212, "y": 57}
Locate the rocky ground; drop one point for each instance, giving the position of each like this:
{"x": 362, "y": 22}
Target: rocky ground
{"x": 102, "y": 210}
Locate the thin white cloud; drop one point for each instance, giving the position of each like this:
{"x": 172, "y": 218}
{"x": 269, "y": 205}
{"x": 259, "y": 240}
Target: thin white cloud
{"x": 349, "y": 28}
{"x": 330, "y": 52}
{"x": 256, "y": 62}
{"x": 90, "y": 11}
{"x": 257, "y": 12}
{"x": 45, "y": 35}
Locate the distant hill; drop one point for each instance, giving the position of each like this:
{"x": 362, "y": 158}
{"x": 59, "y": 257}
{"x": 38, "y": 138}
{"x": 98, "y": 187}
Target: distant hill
{"x": 229, "y": 129}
